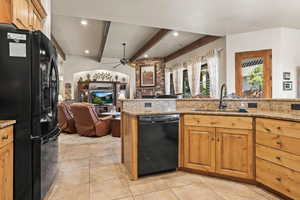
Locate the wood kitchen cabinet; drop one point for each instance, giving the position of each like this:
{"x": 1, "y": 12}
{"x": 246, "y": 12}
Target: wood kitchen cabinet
{"x": 6, "y": 163}
{"x": 219, "y": 144}
{"x": 199, "y": 148}
{"x": 21, "y": 13}
{"x": 24, "y": 14}
{"x": 234, "y": 152}
{"x": 278, "y": 155}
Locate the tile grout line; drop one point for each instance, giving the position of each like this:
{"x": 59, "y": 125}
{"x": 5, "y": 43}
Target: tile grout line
{"x": 177, "y": 197}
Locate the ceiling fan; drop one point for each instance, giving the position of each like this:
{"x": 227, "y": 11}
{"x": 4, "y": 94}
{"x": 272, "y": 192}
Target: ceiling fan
{"x": 123, "y": 61}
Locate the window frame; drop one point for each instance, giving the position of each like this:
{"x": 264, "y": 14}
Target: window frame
{"x": 267, "y": 56}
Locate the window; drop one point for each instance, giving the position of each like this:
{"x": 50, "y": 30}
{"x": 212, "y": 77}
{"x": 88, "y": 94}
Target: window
{"x": 172, "y": 88}
{"x": 253, "y": 74}
{"x": 204, "y": 81}
{"x": 186, "y": 87}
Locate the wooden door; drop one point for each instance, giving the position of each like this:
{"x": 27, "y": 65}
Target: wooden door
{"x": 199, "y": 148}
{"x": 6, "y": 172}
{"x": 253, "y": 74}
{"x": 234, "y": 152}
{"x": 21, "y": 13}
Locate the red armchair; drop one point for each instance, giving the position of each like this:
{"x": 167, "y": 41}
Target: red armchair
{"x": 87, "y": 122}
{"x": 65, "y": 118}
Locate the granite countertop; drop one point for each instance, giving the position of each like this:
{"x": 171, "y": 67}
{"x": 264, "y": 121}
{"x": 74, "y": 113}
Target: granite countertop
{"x": 5, "y": 123}
{"x": 270, "y": 115}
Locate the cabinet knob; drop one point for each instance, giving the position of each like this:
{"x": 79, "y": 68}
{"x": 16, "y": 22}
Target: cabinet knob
{"x": 278, "y": 179}
{"x": 5, "y": 137}
{"x": 279, "y": 142}
{"x": 278, "y": 157}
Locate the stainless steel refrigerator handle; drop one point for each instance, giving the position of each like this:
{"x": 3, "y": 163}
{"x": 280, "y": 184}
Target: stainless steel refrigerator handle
{"x": 39, "y": 138}
{"x": 35, "y": 138}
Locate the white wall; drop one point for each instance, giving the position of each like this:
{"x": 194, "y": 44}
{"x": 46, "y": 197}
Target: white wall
{"x": 47, "y": 24}
{"x": 202, "y": 51}
{"x": 76, "y": 64}
{"x": 60, "y": 63}
{"x": 290, "y": 51}
{"x": 285, "y": 45}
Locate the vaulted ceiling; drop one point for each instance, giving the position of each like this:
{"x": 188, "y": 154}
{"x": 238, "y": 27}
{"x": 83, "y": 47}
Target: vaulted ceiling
{"x": 75, "y": 38}
{"x": 215, "y": 17}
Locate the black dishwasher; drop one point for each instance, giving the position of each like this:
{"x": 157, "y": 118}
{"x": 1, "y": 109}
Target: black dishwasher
{"x": 157, "y": 144}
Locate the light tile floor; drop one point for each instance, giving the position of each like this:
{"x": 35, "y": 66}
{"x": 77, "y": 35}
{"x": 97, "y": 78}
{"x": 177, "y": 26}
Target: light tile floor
{"x": 90, "y": 169}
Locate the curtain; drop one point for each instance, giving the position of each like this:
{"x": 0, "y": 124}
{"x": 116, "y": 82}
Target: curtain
{"x": 178, "y": 79}
{"x": 213, "y": 69}
{"x": 190, "y": 70}
{"x": 175, "y": 79}
{"x": 167, "y": 81}
{"x": 197, "y": 72}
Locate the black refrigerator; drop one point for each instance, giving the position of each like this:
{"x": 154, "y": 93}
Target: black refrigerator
{"x": 29, "y": 95}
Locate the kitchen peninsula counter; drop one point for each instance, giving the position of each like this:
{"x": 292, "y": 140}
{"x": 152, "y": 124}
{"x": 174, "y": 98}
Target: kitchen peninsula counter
{"x": 258, "y": 147}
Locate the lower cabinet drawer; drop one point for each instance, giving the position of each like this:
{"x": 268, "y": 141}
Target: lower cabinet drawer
{"x": 217, "y": 121}
{"x": 284, "y": 143}
{"x": 279, "y": 178}
{"x": 282, "y": 158}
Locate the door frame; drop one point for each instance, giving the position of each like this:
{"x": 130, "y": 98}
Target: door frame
{"x": 267, "y": 56}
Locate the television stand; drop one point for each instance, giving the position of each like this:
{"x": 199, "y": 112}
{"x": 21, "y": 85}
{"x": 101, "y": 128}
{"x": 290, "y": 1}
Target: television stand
{"x": 103, "y": 108}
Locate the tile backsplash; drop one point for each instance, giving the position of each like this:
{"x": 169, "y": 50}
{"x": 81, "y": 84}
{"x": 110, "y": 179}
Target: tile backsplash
{"x": 263, "y": 105}
{"x": 141, "y": 105}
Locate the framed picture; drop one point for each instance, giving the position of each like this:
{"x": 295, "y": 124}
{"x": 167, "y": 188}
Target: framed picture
{"x": 148, "y": 75}
{"x": 286, "y": 75}
{"x": 287, "y": 85}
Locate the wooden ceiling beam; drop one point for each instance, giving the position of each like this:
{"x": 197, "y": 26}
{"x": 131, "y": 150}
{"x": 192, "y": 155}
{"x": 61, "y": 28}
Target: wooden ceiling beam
{"x": 190, "y": 47}
{"x": 154, "y": 40}
{"x": 103, "y": 40}
{"x": 60, "y": 50}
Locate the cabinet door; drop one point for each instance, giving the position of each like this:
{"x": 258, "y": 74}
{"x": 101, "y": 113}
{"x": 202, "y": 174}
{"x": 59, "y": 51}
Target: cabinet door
{"x": 5, "y": 11}
{"x": 21, "y": 13}
{"x": 199, "y": 148}
{"x": 36, "y": 21}
{"x": 234, "y": 152}
{"x": 6, "y": 172}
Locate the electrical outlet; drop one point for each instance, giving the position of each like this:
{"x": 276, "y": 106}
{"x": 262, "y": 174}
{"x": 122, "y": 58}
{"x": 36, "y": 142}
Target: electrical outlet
{"x": 295, "y": 106}
{"x": 148, "y": 105}
{"x": 252, "y": 105}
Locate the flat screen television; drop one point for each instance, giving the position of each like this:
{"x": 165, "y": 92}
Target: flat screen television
{"x": 101, "y": 97}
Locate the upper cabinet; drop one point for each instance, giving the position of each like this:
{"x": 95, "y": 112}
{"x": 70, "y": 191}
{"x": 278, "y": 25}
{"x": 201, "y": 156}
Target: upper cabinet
{"x": 24, "y": 14}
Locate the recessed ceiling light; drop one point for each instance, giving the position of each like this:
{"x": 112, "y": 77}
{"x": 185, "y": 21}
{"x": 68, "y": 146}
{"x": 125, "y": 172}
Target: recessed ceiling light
{"x": 84, "y": 22}
{"x": 146, "y": 56}
{"x": 175, "y": 33}
{"x": 87, "y": 51}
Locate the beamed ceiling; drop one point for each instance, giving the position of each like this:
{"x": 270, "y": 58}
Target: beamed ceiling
{"x": 75, "y": 38}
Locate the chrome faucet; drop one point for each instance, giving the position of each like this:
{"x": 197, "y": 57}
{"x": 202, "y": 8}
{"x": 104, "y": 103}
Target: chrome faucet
{"x": 222, "y": 104}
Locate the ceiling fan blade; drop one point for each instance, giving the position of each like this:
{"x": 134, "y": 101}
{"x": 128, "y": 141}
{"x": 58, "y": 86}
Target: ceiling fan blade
{"x": 117, "y": 65}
